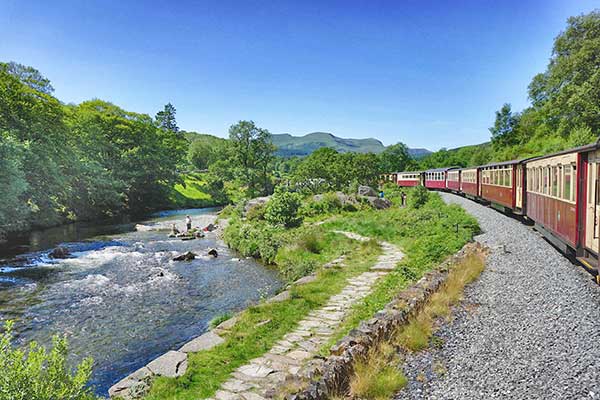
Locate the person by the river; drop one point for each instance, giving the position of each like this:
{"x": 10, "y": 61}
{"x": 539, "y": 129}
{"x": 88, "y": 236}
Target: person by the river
{"x": 174, "y": 230}
{"x": 188, "y": 222}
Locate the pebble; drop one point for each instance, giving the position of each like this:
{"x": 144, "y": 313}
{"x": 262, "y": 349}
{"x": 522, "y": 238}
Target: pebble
{"x": 528, "y": 328}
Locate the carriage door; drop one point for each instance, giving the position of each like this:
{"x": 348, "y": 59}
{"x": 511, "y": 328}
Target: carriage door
{"x": 592, "y": 204}
{"x": 519, "y": 187}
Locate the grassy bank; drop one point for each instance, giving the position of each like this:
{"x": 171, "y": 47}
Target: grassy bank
{"x": 380, "y": 375}
{"x": 260, "y": 326}
{"x": 195, "y": 192}
{"x": 426, "y": 234}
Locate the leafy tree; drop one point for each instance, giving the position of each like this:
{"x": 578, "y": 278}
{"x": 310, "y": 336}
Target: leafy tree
{"x": 567, "y": 92}
{"x": 40, "y": 375}
{"x": 251, "y": 155}
{"x": 205, "y": 150}
{"x": 13, "y": 187}
{"x": 166, "y": 120}
{"x": 505, "y": 129}
{"x": 28, "y": 76}
{"x": 34, "y": 120}
{"x": 418, "y": 196}
{"x": 395, "y": 158}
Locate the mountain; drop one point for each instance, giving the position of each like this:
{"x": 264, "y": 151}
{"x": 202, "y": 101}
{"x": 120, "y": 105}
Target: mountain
{"x": 288, "y": 145}
{"x": 419, "y": 153}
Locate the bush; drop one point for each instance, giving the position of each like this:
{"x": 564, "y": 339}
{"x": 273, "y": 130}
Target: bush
{"x": 327, "y": 203}
{"x": 283, "y": 208}
{"x": 254, "y": 239}
{"x": 38, "y": 375}
{"x": 257, "y": 213}
{"x": 418, "y": 196}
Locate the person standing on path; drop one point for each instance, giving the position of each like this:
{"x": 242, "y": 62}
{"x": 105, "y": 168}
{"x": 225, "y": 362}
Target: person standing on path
{"x": 188, "y": 222}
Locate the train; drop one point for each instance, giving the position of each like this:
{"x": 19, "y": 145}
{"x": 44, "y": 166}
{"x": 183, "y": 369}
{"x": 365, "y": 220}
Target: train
{"x": 559, "y": 193}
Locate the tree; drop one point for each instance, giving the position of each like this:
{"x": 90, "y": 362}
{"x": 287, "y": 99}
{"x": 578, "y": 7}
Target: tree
{"x": 504, "y": 132}
{"x": 165, "y": 119}
{"x": 567, "y": 92}
{"x": 251, "y": 154}
{"x": 38, "y": 374}
{"x": 395, "y": 158}
{"x": 28, "y": 76}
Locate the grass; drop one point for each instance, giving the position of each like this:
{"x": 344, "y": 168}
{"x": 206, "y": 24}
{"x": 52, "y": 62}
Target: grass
{"x": 249, "y": 338}
{"x": 426, "y": 235}
{"x": 193, "y": 192}
{"x": 379, "y": 376}
{"x": 219, "y": 319}
{"x": 418, "y": 333}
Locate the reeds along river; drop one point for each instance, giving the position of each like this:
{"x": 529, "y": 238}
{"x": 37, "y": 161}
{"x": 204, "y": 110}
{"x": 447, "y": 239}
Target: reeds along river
{"x": 122, "y": 300}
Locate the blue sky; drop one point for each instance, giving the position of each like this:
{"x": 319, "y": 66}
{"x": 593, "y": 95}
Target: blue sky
{"x": 427, "y": 73}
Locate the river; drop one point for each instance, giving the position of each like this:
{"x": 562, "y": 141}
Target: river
{"x": 120, "y": 298}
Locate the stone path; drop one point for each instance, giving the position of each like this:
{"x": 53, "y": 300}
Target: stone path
{"x": 295, "y": 353}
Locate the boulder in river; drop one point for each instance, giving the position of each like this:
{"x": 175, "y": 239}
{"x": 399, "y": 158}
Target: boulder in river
{"x": 60, "y": 252}
{"x": 213, "y": 252}
{"x": 189, "y": 256}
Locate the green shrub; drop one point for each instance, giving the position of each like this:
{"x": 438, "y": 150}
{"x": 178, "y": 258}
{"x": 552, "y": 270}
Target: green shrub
{"x": 283, "y": 208}
{"x": 254, "y": 239}
{"x": 257, "y": 213}
{"x": 38, "y": 375}
{"x": 418, "y": 196}
{"x": 327, "y": 203}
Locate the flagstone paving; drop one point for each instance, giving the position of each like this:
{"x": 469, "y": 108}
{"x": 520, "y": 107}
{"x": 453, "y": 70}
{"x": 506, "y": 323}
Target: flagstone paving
{"x": 262, "y": 377}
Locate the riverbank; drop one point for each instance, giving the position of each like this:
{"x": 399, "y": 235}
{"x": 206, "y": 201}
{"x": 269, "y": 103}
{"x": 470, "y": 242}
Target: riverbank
{"x": 122, "y": 300}
{"x": 426, "y": 234}
{"x": 192, "y": 193}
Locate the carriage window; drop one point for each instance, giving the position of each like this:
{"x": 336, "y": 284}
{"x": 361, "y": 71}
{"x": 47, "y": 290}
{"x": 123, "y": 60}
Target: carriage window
{"x": 567, "y": 171}
{"x": 554, "y": 186}
{"x": 545, "y": 180}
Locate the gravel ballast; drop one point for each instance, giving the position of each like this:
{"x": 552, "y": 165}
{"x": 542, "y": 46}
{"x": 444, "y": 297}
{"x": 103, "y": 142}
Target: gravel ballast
{"x": 529, "y": 328}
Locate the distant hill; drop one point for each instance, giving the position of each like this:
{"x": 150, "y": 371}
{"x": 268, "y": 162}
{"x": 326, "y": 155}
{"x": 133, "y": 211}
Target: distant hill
{"x": 289, "y": 146}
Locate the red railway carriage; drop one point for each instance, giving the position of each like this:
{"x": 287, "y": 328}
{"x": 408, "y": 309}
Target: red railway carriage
{"x": 436, "y": 178}
{"x": 469, "y": 182}
{"x": 409, "y": 178}
{"x": 453, "y": 180}
{"x": 563, "y": 199}
{"x": 552, "y": 194}
{"x": 503, "y": 185}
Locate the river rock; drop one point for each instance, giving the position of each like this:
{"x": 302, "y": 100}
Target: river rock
{"x": 136, "y": 382}
{"x": 366, "y": 191}
{"x": 170, "y": 364}
{"x": 203, "y": 342}
{"x": 189, "y": 256}
{"x": 213, "y": 252}
{"x": 210, "y": 227}
{"x": 60, "y": 252}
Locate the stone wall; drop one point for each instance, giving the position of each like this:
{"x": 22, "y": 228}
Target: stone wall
{"x": 333, "y": 375}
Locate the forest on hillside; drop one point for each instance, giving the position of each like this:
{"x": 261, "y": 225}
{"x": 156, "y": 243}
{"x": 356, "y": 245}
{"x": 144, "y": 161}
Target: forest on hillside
{"x": 564, "y": 110}
{"x": 63, "y": 163}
